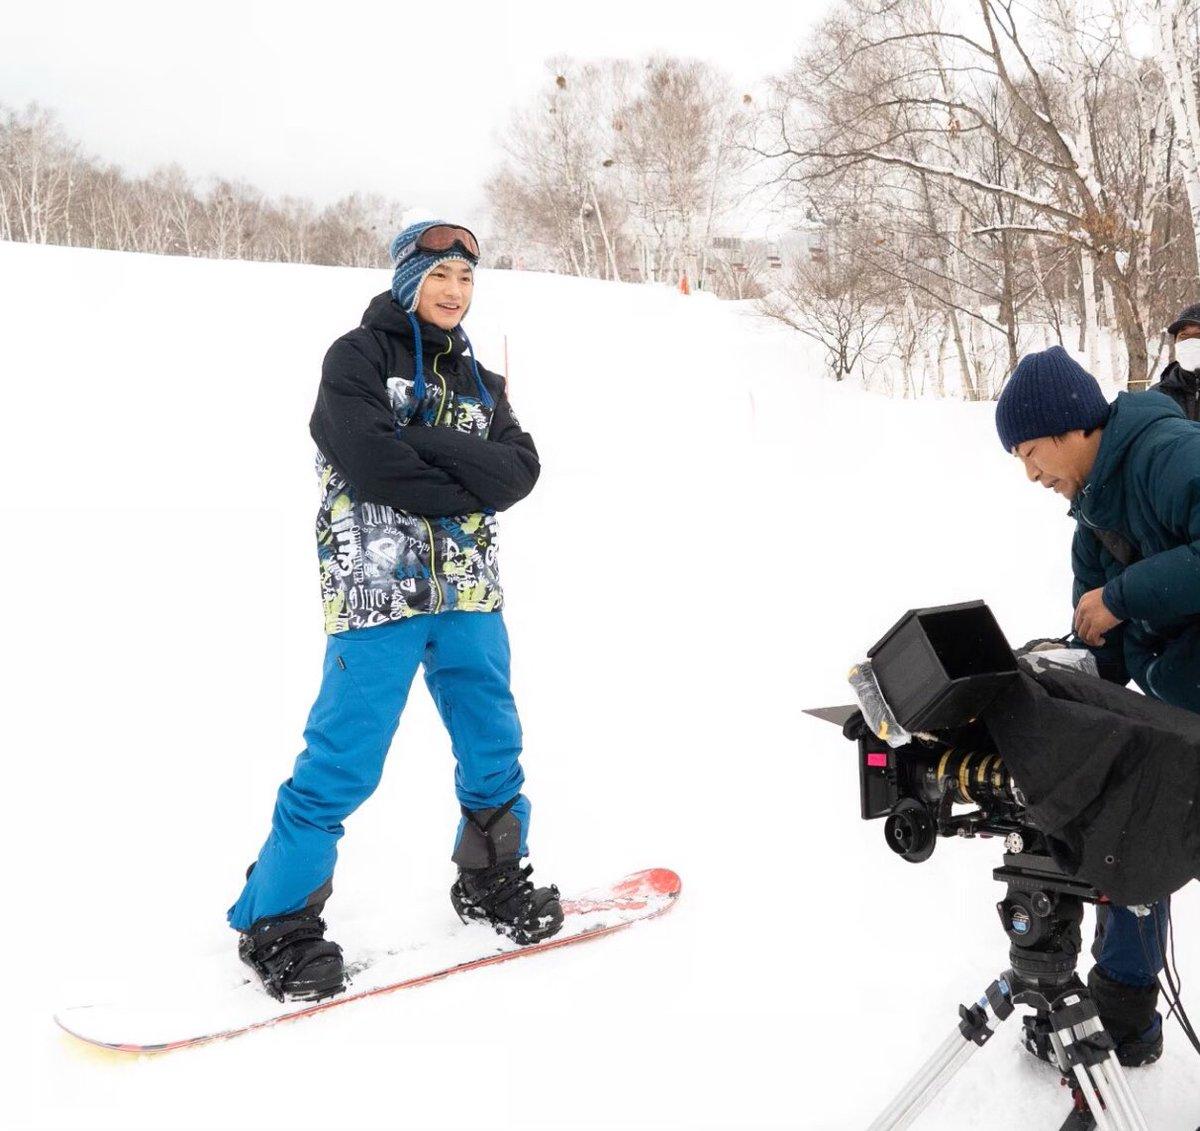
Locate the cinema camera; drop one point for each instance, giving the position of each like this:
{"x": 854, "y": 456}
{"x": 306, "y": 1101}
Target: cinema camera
{"x": 923, "y": 687}
{"x": 924, "y": 755}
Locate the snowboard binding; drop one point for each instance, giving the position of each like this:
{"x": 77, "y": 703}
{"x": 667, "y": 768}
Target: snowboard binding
{"x": 292, "y": 957}
{"x": 492, "y": 886}
{"x": 504, "y": 897}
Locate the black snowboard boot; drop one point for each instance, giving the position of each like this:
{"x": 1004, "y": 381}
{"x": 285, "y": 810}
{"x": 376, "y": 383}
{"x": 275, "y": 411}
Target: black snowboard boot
{"x": 292, "y": 956}
{"x": 504, "y": 896}
{"x": 493, "y": 887}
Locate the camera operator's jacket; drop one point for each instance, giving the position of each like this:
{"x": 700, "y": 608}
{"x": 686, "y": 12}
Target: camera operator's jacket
{"x": 410, "y": 486}
{"x": 1145, "y": 487}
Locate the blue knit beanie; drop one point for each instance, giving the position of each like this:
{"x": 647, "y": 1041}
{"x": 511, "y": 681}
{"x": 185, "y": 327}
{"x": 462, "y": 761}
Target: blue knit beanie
{"x": 412, "y": 264}
{"x": 1049, "y": 394}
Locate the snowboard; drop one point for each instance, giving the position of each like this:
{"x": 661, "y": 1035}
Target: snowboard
{"x": 160, "y": 1024}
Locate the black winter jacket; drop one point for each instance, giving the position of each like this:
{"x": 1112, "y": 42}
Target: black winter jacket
{"x": 1182, "y": 387}
{"x": 411, "y": 473}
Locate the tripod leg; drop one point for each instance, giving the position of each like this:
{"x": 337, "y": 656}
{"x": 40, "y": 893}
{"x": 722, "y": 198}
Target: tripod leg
{"x": 1092, "y": 1097}
{"x": 930, "y": 1078}
{"x": 1122, "y": 1094}
{"x": 1088, "y": 1051}
{"x": 972, "y": 1033}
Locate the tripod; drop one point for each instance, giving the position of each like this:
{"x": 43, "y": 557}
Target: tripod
{"x": 1040, "y": 913}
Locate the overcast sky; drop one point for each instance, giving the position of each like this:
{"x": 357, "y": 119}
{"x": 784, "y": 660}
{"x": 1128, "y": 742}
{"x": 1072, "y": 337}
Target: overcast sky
{"x": 318, "y": 100}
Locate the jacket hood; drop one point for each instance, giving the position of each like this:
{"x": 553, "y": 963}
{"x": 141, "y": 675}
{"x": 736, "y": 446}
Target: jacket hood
{"x": 1130, "y": 416}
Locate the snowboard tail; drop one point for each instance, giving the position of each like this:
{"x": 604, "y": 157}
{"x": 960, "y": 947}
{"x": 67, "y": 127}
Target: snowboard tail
{"x": 589, "y": 915}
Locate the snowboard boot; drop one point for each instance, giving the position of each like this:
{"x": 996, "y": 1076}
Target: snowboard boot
{"x": 292, "y": 956}
{"x": 505, "y": 897}
{"x": 492, "y": 886}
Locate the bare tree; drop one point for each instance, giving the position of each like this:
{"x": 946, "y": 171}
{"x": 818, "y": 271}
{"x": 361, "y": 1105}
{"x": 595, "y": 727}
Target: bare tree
{"x": 619, "y": 170}
{"x": 51, "y": 193}
{"x": 1177, "y": 48}
{"x": 909, "y": 93}
{"x": 835, "y": 302}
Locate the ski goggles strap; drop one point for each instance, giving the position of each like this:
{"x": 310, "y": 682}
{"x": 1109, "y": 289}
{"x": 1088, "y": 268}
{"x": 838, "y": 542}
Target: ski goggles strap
{"x": 440, "y": 238}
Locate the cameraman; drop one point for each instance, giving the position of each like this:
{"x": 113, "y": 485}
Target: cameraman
{"x": 1131, "y": 471}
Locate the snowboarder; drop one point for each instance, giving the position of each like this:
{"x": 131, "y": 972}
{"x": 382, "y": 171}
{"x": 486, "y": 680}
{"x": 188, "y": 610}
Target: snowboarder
{"x": 1130, "y": 471}
{"x": 1180, "y": 380}
{"x": 418, "y": 448}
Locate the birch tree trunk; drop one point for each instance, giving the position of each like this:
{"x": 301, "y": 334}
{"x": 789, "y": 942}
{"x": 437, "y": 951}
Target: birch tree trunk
{"x": 1178, "y": 69}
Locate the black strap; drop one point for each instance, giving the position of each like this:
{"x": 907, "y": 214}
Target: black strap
{"x": 485, "y": 827}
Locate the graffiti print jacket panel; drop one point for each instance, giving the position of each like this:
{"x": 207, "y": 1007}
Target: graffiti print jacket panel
{"x": 411, "y": 478}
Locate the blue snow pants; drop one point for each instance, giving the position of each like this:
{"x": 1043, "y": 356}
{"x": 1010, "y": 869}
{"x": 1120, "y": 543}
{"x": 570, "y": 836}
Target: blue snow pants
{"x": 364, "y": 687}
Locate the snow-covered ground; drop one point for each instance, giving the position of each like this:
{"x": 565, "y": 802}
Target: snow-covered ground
{"x": 718, "y": 533}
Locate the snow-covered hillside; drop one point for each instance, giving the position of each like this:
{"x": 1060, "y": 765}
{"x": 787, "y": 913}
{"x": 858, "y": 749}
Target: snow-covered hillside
{"x": 718, "y": 533}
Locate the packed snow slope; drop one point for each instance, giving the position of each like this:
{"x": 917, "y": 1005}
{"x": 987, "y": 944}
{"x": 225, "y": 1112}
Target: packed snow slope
{"x": 719, "y": 532}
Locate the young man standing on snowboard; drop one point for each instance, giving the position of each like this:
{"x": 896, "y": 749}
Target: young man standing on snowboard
{"x": 1131, "y": 471}
{"x": 417, "y": 449}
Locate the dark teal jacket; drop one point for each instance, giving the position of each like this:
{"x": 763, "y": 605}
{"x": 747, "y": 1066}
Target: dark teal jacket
{"x": 1145, "y": 485}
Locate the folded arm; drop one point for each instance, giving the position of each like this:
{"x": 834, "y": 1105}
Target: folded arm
{"x": 353, "y": 426}
{"x": 499, "y": 471}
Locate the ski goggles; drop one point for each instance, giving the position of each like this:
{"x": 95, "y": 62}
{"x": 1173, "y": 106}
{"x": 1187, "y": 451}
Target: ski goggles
{"x": 438, "y": 240}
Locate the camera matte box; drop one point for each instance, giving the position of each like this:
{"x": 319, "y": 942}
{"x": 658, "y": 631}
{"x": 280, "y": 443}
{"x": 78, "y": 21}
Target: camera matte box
{"x": 939, "y": 668}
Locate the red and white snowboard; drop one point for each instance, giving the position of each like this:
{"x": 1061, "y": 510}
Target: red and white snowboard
{"x": 160, "y": 1024}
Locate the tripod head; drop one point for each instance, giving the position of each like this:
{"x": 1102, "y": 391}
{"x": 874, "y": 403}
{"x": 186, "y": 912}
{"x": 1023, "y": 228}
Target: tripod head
{"x": 1041, "y": 914}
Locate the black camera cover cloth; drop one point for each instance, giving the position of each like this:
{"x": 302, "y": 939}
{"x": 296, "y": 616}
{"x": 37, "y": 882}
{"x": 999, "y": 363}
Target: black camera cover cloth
{"x": 1110, "y": 776}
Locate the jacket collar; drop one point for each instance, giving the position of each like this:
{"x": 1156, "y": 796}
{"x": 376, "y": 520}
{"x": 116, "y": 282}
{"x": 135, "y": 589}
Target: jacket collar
{"x": 384, "y": 313}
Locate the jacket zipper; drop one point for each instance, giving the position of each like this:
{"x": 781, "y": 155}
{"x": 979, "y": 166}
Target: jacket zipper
{"x": 437, "y": 587}
{"x": 441, "y": 377}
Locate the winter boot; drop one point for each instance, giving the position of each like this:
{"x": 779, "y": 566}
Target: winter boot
{"x": 1130, "y": 1015}
{"x": 292, "y": 956}
{"x": 493, "y": 887}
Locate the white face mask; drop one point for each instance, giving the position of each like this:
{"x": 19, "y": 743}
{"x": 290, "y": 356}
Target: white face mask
{"x": 1187, "y": 353}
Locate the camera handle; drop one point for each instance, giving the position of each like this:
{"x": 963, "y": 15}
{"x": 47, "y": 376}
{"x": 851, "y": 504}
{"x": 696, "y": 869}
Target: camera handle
{"x": 1040, "y": 914}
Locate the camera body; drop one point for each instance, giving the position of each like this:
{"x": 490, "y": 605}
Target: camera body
{"x": 916, "y": 788}
{"x": 938, "y": 669}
